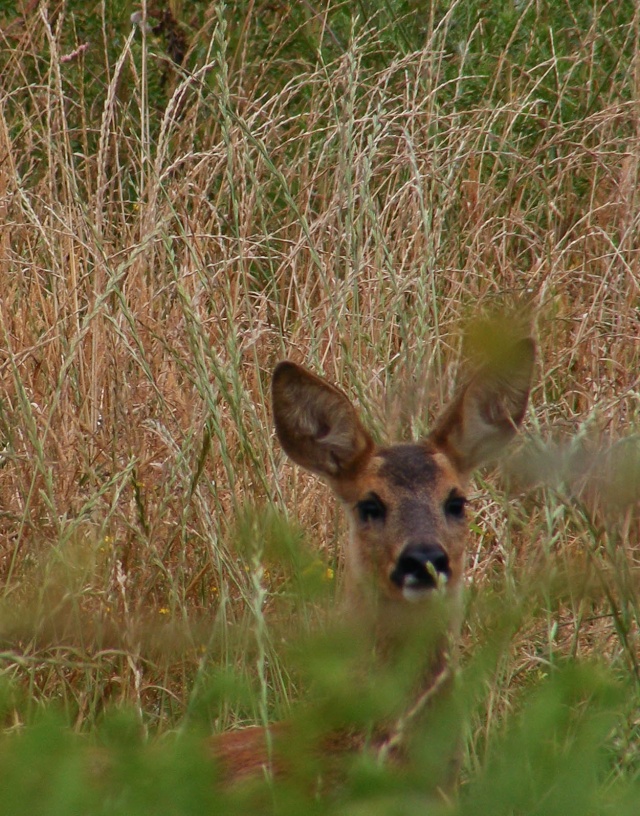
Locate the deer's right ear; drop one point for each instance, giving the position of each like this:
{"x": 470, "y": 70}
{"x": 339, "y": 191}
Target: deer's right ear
{"x": 487, "y": 411}
{"x": 316, "y": 424}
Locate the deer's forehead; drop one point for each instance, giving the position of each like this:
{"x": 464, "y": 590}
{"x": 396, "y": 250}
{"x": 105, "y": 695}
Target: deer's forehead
{"x": 406, "y": 470}
{"x": 409, "y": 467}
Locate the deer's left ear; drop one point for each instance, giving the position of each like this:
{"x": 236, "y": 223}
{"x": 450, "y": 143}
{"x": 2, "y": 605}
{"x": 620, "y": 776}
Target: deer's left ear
{"x": 316, "y": 424}
{"x": 486, "y": 412}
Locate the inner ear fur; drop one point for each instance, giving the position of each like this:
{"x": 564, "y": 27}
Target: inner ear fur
{"x": 315, "y": 422}
{"x": 487, "y": 410}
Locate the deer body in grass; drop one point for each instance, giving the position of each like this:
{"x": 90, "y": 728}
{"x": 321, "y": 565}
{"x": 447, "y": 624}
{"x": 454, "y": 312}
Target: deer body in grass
{"x": 405, "y": 505}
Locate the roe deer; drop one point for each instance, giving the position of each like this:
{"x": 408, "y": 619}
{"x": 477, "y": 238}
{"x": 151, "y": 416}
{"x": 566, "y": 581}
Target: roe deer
{"x": 405, "y": 505}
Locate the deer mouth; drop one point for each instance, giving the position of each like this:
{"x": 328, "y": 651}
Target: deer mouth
{"x": 421, "y": 570}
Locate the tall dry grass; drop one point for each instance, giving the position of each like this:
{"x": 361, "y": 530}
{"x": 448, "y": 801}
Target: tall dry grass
{"x": 167, "y": 235}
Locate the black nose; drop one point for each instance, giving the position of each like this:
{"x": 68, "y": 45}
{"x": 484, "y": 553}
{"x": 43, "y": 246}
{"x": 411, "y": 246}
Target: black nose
{"x": 419, "y": 567}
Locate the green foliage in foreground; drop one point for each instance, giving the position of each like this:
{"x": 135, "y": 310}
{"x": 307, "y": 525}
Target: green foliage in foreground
{"x": 555, "y": 757}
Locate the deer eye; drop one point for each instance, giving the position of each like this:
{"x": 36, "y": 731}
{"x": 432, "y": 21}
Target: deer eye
{"x": 371, "y": 509}
{"x": 454, "y": 505}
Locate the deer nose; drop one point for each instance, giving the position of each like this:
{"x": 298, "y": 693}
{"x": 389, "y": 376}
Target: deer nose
{"x": 420, "y": 568}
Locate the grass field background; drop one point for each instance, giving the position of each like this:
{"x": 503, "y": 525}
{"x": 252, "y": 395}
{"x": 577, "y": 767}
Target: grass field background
{"x": 184, "y": 203}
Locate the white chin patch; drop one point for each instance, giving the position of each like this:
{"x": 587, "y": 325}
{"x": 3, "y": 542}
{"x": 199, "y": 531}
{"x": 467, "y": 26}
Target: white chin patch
{"x": 416, "y": 594}
{"x": 414, "y": 591}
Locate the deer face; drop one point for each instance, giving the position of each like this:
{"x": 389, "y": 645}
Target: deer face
{"x": 406, "y": 511}
{"x": 405, "y": 503}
